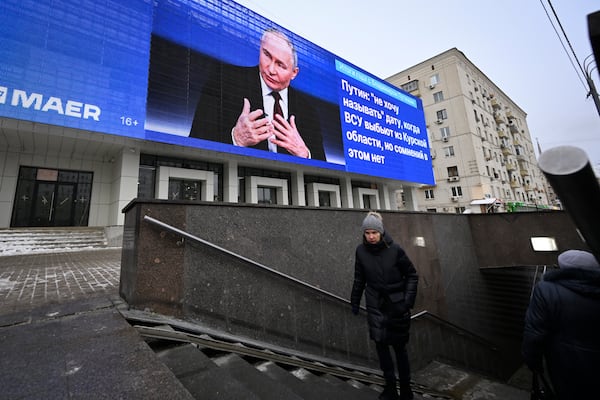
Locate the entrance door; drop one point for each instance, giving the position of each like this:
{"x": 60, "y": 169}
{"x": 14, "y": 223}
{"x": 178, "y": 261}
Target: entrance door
{"x": 53, "y": 204}
{"x": 63, "y": 204}
{"x": 51, "y": 197}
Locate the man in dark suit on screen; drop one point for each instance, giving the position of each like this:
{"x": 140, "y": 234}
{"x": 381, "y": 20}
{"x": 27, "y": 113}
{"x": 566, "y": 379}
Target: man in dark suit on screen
{"x": 256, "y": 107}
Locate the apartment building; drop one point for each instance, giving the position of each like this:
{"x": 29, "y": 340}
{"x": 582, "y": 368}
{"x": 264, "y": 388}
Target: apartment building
{"x": 483, "y": 155}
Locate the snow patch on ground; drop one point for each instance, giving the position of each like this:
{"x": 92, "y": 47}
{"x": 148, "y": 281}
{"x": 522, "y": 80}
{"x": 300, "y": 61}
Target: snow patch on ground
{"x": 6, "y": 284}
{"x": 25, "y": 250}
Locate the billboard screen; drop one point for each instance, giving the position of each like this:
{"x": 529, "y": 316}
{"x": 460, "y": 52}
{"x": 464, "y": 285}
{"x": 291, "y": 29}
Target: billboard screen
{"x": 207, "y": 74}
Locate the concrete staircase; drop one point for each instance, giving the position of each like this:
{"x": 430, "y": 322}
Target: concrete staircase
{"x": 227, "y": 376}
{"x": 15, "y": 241}
{"x": 210, "y": 374}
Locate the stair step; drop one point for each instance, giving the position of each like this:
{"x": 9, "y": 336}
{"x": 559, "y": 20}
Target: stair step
{"x": 331, "y": 387}
{"x": 259, "y": 383}
{"x": 44, "y": 240}
{"x": 314, "y": 388}
{"x": 210, "y": 374}
{"x": 201, "y": 376}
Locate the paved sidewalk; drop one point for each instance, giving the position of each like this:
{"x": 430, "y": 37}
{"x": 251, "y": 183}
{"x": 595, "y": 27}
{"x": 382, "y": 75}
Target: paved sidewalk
{"x": 28, "y": 281}
{"x": 62, "y": 336}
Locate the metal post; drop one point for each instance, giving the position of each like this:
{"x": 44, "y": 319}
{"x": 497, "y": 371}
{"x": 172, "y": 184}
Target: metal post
{"x": 570, "y": 173}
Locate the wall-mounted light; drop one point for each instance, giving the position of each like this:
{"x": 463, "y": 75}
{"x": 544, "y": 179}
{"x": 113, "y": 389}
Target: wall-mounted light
{"x": 419, "y": 241}
{"x": 542, "y": 243}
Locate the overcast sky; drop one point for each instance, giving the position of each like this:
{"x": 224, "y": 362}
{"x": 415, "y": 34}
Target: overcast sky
{"x": 513, "y": 42}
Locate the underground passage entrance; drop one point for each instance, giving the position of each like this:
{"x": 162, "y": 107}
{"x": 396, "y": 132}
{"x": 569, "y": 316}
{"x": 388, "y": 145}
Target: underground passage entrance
{"x": 51, "y": 197}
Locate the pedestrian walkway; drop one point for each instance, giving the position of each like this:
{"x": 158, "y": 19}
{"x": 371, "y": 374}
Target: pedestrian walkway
{"x": 27, "y": 281}
{"x": 62, "y": 337}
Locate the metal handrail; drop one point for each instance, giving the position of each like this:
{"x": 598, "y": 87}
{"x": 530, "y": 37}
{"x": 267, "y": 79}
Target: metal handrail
{"x": 302, "y": 283}
{"x": 457, "y": 328}
{"x": 535, "y": 279}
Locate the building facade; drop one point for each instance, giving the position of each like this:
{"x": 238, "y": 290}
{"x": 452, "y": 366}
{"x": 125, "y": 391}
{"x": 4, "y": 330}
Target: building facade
{"x": 57, "y": 176}
{"x": 483, "y": 155}
{"x": 101, "y": 104}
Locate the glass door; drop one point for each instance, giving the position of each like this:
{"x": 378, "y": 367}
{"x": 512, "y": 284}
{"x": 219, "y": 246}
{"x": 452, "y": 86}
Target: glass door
{"x": 53, "y": 204}
{"x": 47, "y": 197}
{"x": 43, "y": 203}
{"x": 63, "y": 205}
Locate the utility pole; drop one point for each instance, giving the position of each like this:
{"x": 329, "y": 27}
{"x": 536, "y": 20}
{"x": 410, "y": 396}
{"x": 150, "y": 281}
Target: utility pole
{"x": 589, "y": 68}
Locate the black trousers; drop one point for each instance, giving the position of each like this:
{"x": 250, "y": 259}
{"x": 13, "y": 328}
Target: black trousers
{"x": 387, "y": 363}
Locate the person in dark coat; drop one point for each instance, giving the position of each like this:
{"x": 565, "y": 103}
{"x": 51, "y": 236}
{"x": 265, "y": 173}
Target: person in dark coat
{"x": 562, "y": 326}
{"x": 389, "y": 279}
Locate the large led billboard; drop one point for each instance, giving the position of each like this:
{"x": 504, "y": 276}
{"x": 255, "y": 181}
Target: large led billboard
{"x": 208, "y": 74}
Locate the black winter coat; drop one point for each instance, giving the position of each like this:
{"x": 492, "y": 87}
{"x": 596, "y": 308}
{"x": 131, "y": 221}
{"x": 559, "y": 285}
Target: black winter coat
{"x": 562, "y": 325}
{"x": 390, "y": 281}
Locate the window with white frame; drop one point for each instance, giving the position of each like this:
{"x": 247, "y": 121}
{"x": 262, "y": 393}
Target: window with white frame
{"x": 452, "y": 171}
{"x": 449, "y": 151}
{"x": 184, "y": 189}
{"x": 429, "y": 194}
{"x": 324, "y": 199}
{"x": 267, "y": 195}
{"x": 434, "y": 79}
{"x": 442, "y": 114}
{"x": 456, "y": 191}
{"x": 445, "y": 132}
{"x": 438, "y": 96}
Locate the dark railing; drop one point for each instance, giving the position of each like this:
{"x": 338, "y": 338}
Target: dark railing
{"x": 459, "y": 330}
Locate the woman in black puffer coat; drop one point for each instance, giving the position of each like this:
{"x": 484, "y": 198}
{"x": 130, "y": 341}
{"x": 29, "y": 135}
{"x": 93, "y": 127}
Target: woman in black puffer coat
{"x": 562, "y": 326}
{"x": 389, "y": 279}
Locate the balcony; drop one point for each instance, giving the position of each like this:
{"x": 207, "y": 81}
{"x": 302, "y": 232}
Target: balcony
{"x": 502, "y": 133}
{"x": 513, "y": 128}
{"x": 495, "y": 104}
{"x": 515, "y": 184}
{"x": 416, "y": 92}
{"x": 498, "y": 118}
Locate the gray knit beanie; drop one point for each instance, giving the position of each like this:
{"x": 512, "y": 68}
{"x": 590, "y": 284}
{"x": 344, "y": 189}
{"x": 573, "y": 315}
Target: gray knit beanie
{"x": 577, "y": 259}
{"x": 373, "y": 221}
